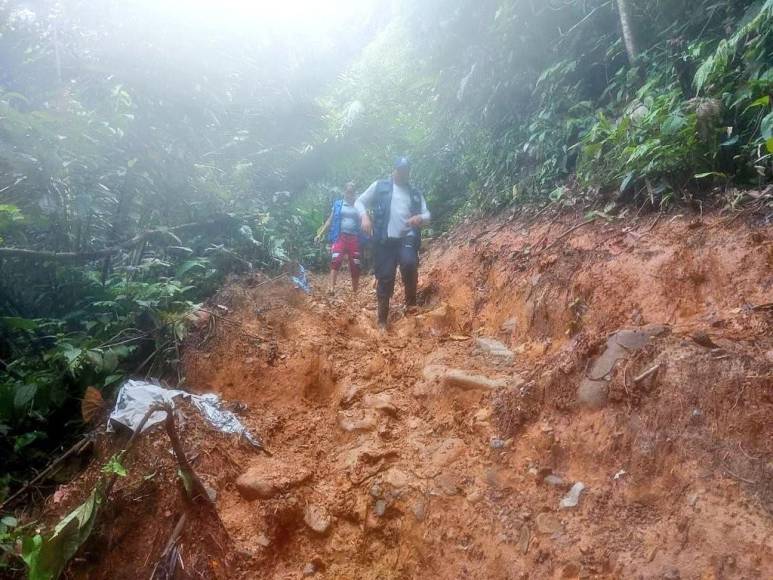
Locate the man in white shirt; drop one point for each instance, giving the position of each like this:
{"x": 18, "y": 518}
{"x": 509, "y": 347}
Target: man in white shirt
{"x": 398, "y": 213}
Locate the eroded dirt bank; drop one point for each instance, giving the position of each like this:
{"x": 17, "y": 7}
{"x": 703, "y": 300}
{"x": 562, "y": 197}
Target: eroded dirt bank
{"x": 634, "y": 357}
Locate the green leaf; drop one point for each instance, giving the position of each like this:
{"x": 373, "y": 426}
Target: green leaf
{"x": 47, "y": 557}
{"x": 109, "y": 361}
{"x": 769, "y": 145}
{"x": 673, "y": 124}
{"x": 187, "y": 266}
{"x": 112, "y": 379}
{"x": 27, "y": 439}
{"x": 16, "y": 323}
{"x": 72, "y": 355}
{"x": 761, "y": 102}
{"x": 114, "y": 466}
{"x": 9, "y": 521}
{"x": 23, "y": 395}
{"x": 626, "y": 182}
{"x": 766, "y": 127}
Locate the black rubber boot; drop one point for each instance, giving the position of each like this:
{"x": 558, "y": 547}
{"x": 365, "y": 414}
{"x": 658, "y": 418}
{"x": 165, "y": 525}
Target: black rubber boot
{"x": 383, "y": 311}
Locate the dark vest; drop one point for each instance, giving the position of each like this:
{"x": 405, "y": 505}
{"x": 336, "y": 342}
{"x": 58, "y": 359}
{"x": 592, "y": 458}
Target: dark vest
{"x": 383, "y": 205}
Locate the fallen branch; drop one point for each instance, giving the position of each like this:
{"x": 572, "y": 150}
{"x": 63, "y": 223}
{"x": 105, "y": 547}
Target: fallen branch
{"x": 75, "y": 449}
{"x": 233, "y": 323}
{"x": 87, "y": 256}
{"x": 649, "y": 372}
{"x": 193, "y": 484}
{"x": 566, "y": 233}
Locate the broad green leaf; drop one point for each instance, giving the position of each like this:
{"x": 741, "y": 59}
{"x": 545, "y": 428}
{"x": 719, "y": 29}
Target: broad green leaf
{"x": 46, "y": 557}
{"x": 187, "y": 266}
{"x": 9, "y": 521}
{"x": 24, "y": 395}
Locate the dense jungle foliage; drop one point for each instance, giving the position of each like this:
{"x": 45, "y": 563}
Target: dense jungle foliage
{"x": 149, "y": 149}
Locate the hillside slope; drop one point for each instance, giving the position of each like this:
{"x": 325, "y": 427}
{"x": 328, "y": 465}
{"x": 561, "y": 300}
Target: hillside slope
{"x": 633, "y": 357}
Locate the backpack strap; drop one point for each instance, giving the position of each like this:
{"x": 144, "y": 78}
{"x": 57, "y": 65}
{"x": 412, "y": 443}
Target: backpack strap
{"x": 381, "y": 209}
{"x": 335, "y": 225}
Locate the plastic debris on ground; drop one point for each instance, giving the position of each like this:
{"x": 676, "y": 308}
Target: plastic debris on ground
{"x": 135, "y": 398}
{"x": 301, "y": 281}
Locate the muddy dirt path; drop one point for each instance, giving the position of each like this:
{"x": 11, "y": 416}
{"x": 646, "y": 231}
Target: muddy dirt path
{"x": 598, "y": 408}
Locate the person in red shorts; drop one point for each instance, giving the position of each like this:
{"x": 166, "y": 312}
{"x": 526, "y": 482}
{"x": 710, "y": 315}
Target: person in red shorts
{"x": 344, "y": 235}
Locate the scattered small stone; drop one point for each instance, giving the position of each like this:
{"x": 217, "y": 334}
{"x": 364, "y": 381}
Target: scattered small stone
{"x": 317, "y": 518}
{"x": 350, "y": 422}
{"x": 380, "y": 507}
{"x": 349, "y": 394}
{"x": 554, "y": 480}
{"x": 619, "y": 474}
{"x": 420, "y": 510}
{"x": 483, "y": 415}
{"x": 702, "y": 338}
{"x": 211, "y": 492}
{"x": 571, "y": 570}
{"x": 509, "y": 325}
{"x": 572, "y": 499}
{"x": 397, "y": 478}
{"x": 594, "y": 389}
{"x": 310, "y": 569}
{"x": 497, "y": 443}
{"x": 548, "y": 523}
{"x": 461, "y": 379}
{"x": 494, "y": 348}
{"x": 251, "y": 485}
{"x": 447, "y": 484}
{"x": 380, "y": 402}
{"x": 263, "y": 540}
{"x": 524, "y": 537}
{"x": 474, "y": 496}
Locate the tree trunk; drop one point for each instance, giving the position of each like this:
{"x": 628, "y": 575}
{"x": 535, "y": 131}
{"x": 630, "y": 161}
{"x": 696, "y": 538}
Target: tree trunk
{"x": 628, "y": 35}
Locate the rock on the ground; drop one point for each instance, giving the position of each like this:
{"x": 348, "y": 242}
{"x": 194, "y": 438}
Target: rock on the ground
{"x": 269, "y": 478}
{"x": 548, "y": 523}
{"x": 509, "y": 325}
{"x": 397, "y": 478}
{"x": 420, "y": 510}
{"x": 553, "y": 480}
{"x": 447, "y": 483}
{"x": 461, "y": 379}
{"x": 572, "y": 499}
{"x": 380, "y": 402}
{"x": 494, "y": 348}
{"x": 263, "y": 541}
{"x": 594, "y": 388}
{"x": 253, "y": 485}
{"x": 357, "y": 421}
{"x": 317, "y": 518}
{"x": 348, "y": 395}
{"x": 483, "y": 415}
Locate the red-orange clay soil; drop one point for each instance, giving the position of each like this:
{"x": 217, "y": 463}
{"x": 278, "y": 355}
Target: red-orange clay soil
{"x": 597, "y": 405}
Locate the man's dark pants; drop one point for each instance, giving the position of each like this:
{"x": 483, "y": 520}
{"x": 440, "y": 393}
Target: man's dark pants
{"x": 387, "y": 256}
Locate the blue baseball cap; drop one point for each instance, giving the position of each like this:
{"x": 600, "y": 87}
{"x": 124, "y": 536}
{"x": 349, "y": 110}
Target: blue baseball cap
{"x": 402, "y": 163}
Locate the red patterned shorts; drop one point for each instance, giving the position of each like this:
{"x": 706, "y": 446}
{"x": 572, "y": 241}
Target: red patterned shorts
{"x": 346, "y": 245}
